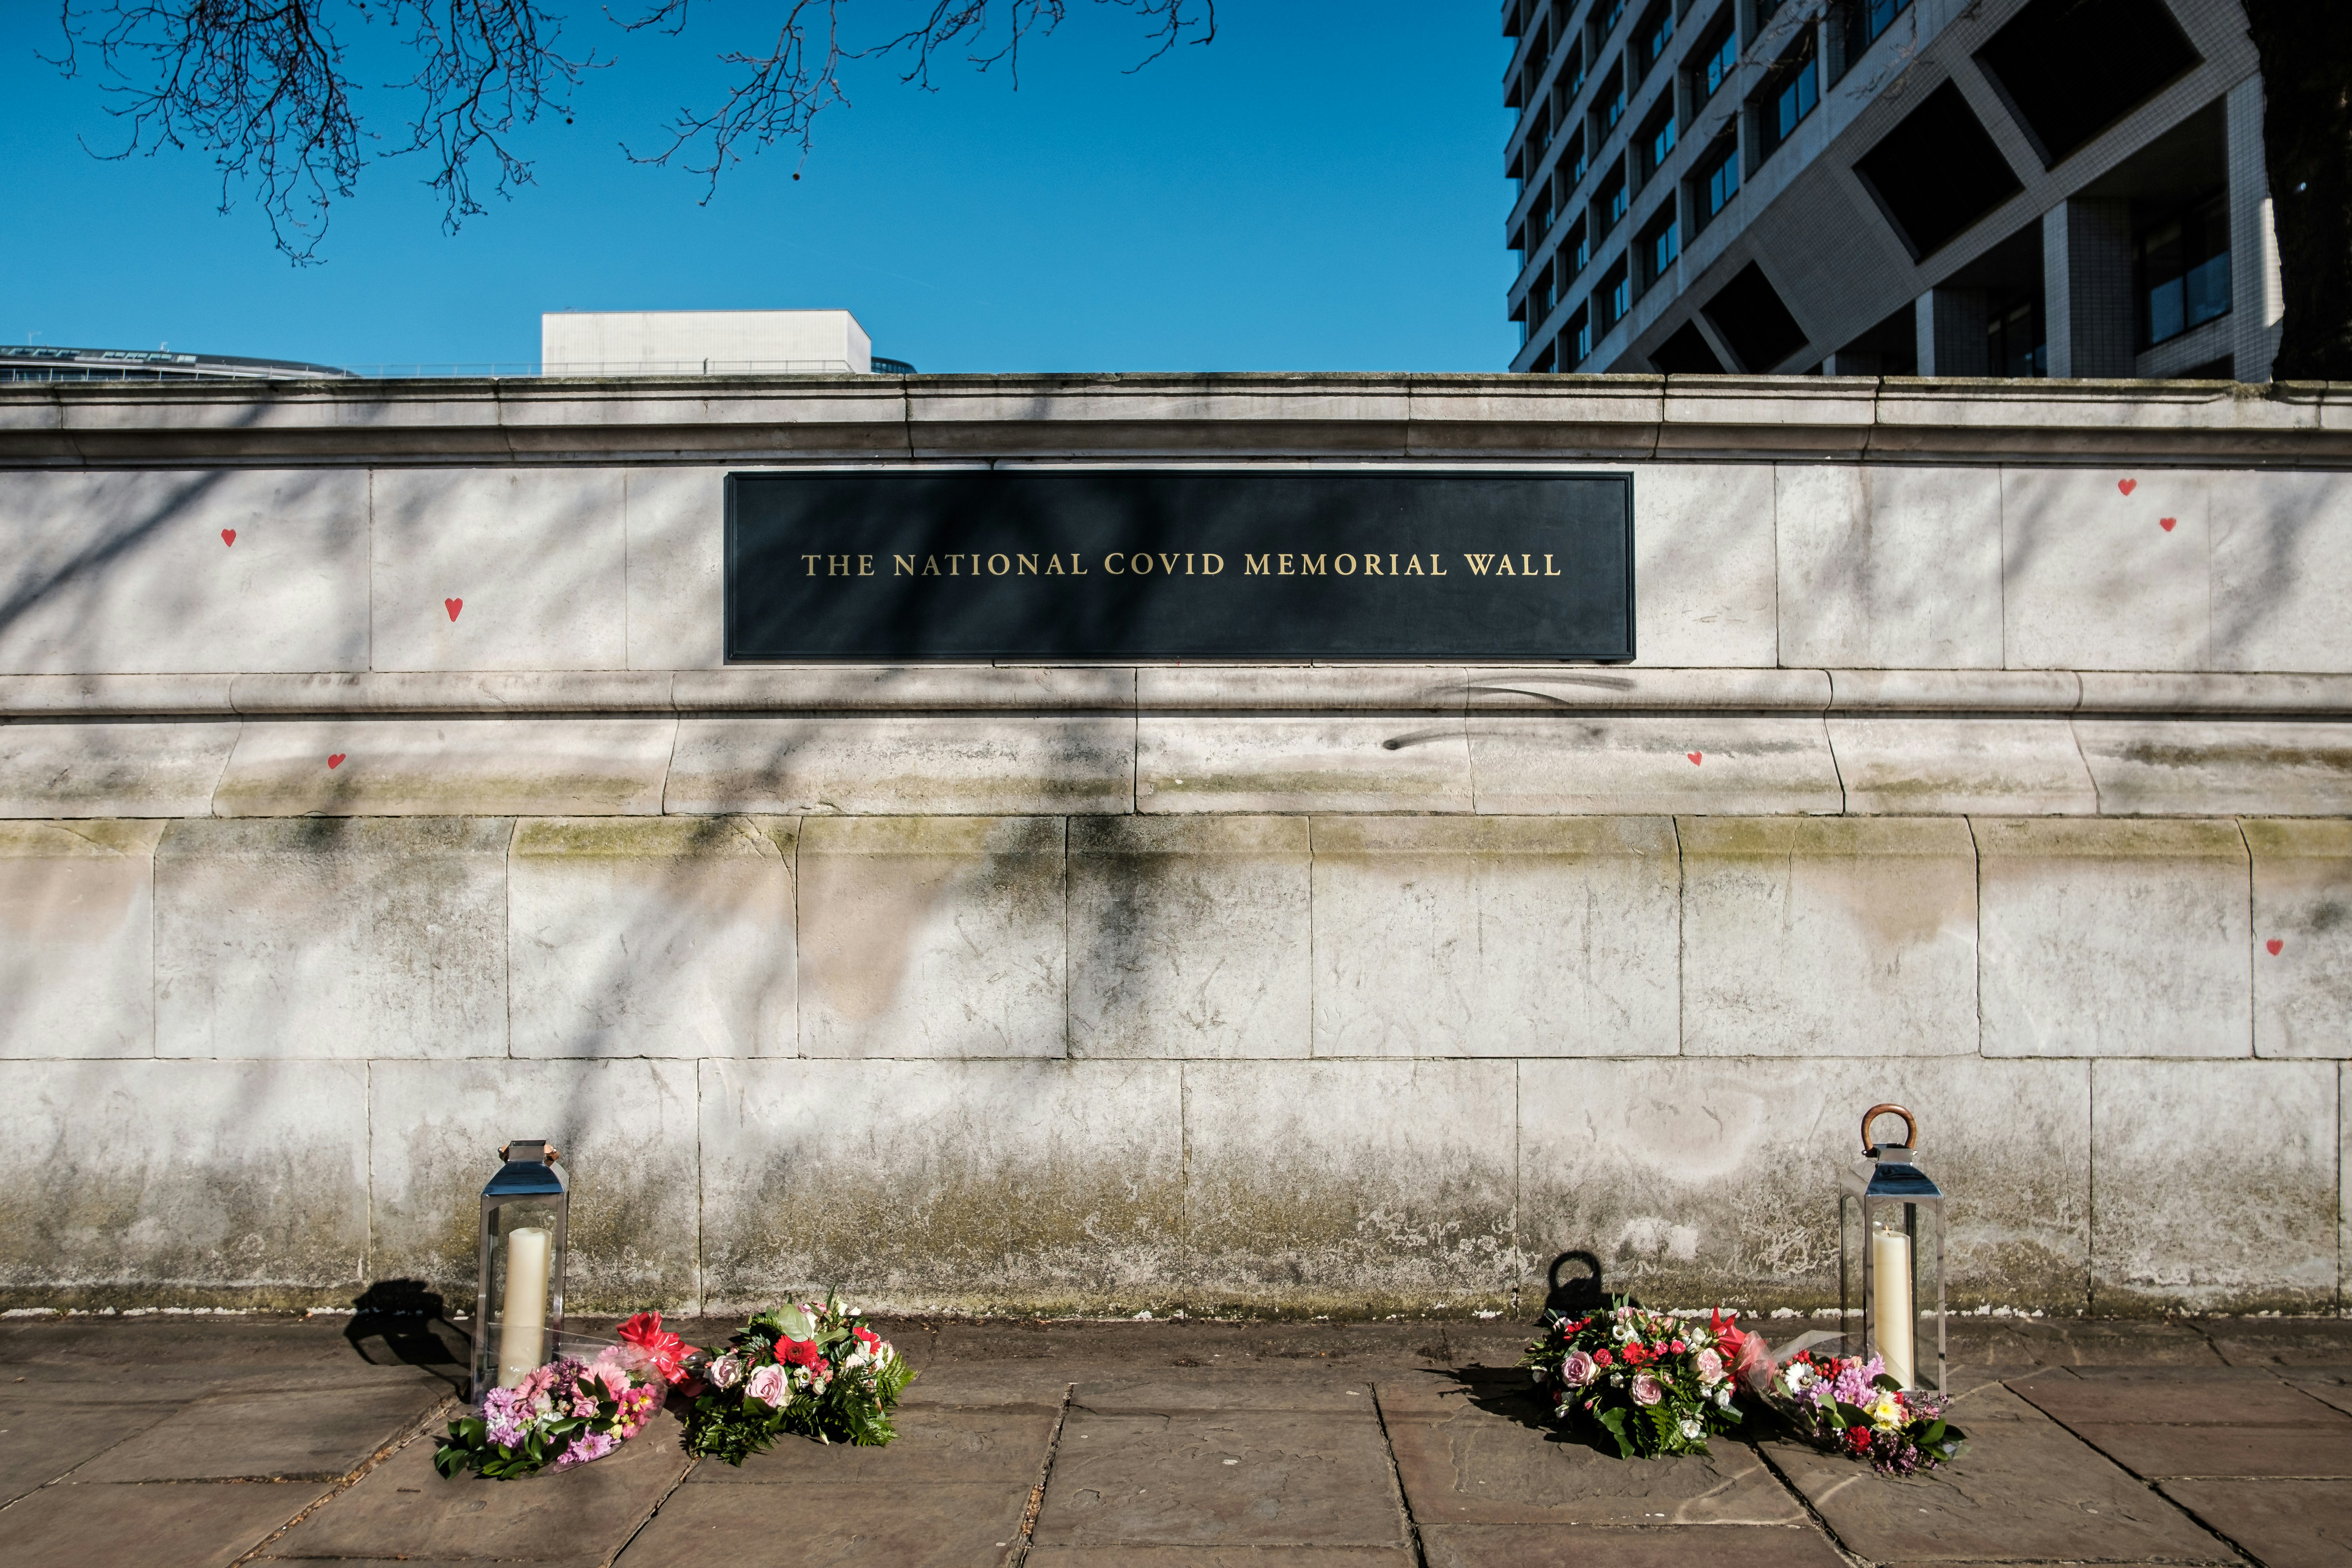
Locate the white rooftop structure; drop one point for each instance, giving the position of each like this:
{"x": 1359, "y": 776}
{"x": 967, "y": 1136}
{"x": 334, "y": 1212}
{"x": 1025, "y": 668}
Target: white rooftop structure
{"x": 702, "y": 343}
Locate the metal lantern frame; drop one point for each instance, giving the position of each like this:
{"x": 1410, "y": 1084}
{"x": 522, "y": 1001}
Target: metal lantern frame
{"x": 528, "y": 1183}
{"x": 1888, "y": 1183}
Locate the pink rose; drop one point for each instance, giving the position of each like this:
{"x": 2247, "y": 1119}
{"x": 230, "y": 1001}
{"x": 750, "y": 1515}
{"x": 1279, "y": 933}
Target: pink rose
{"x": 769, "y": 1386}
{"x": 1710, "y": 1367}
{"x": 727, "y": 1371}
{"x": 1646, "y": 1390}
{"x": 1578, "y": 1370}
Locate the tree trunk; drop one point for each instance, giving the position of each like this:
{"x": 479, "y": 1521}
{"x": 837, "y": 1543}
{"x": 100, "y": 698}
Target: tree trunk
{"x": 2307, "y": 58}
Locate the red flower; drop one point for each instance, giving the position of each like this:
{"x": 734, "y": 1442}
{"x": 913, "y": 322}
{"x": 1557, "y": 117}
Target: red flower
{"x": 1601, "y": 1357}
{"x": 868, "y": 1338}
{"x": 1858, "y": 1437}
{"x": 666, "y": 1350}
{"x": 1678, "y": 1347}
{"x": 799, "y": 1352}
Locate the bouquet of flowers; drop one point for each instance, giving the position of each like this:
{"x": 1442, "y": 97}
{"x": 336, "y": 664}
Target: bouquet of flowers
{"x": 1850, "y": 1405}
{"x": 569, "y": 1411}
{"x": 1656, "y": 1384}
{"x": 816, "y": 1370}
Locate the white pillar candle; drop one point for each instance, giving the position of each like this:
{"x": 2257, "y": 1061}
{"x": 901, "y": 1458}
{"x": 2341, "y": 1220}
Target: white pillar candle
{"x": 522, "y": 1321}
{"x": 1890, "y": 1300}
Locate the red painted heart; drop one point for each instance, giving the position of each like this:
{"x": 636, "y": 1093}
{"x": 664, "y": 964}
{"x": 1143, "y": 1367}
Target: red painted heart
{"x": 1694, "y": 757}
{"x": 229, "y": 536}
{"x": 336, "y": 761}
{"x": 2127, "y": 486}
{"x": 453, "y": 607}
{"x": 2274, "y": 944}
{"x": 2167, "y": 524}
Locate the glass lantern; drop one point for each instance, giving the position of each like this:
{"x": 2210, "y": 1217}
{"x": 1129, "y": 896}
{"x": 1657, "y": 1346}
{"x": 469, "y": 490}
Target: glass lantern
{"x": 1891, "y": 1256}
{"x": 519, "y": 1303}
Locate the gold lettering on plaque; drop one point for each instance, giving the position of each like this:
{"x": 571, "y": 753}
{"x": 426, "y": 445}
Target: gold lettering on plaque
{"x": 1434, "y": 569}
{"x": 1413, "y": 567}
{"x": 1114, "y": 570}
{"x": 1027, "y": 563}
{"x": 998, "y": 565}
{"x": 905, "y": 565}
{"x": 1054, "y": 566}
{"x": 1209, "y": 571}
{"x": 1254, "y": 565}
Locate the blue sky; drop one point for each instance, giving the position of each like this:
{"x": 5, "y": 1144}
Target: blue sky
{"x": 1319, "y": 189}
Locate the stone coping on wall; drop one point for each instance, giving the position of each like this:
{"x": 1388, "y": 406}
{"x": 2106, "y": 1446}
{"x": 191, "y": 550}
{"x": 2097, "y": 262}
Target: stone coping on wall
{"x": 989, "y": 418}
{"x": 1142, "y": 690}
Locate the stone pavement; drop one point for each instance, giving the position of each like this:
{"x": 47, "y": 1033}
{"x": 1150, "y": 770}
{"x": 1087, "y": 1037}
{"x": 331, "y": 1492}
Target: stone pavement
{"x": 202, "y": 1442}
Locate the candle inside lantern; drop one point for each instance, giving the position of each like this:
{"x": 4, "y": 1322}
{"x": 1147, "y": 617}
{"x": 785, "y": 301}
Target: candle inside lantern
{"x": 1890, "y": 1300}
{"x": 522, "y": 1323}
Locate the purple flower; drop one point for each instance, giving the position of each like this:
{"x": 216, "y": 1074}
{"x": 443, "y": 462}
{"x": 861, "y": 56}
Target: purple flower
{"x": 1578, "y": 1370}
{"x": 1854, "y": 1380}
{"x": 1646, "y": 1390}
{"x": 586, "y": 1446}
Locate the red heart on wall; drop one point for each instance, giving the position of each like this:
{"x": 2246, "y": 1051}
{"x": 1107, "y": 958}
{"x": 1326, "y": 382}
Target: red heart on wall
{"x": 453, "y": 607}
{"x": 2167, "y": 524}
{"x": 2127, "y": 486}
{"x": 335, "y": 762}
{"x": 229, "y": 536}
{"x": 2274, "y": 944}
{"x": 1694, "y": 757}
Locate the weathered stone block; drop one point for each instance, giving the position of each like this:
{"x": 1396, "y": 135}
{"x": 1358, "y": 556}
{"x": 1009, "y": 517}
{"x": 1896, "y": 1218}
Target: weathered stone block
{"x": 77, "y": 939}
{"x": 944, "y": 1184}
{"x": 2303, "y": 937}
{"x": 997, "y": 766}
{"x": 1885, "y": 567}
{"x": 1248, "y": 763}
{"x": 135, "y": 768}
{"x": 447, "y": 767}
{"x": 331, "y": 937}
{"x": 651, "y": 937}
{"x": 932, "y": 937}
{"x": 534, "y": 560}
{"x": 1833, "y": 937}
{"x": 1703, "y": 553}
{"x": 1190, "y": 937}
{"x": 2173, "y": 768}
{"x": 628, "y": 1133}
{"x": 2217, "y": 1188}
{"x": 1920, "y": 767}
{"x": 1379, "y": 1184}
{"x": 675, "y": 520}
{"x": 1698, "y": 762}
{"x": 165, "y": 1183}
{"x": 137, "y": 571}
{"x": 1703, "y": 1182}
{"x": 1495, "y": 936}
{"x": 2282, "y": 570}
{"x": 2114, "y": 939}
{"x": 2093, "y": 579}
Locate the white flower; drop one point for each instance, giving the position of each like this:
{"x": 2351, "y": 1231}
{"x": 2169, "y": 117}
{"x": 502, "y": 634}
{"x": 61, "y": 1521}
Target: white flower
{"x": 1691, "y": 1427}
{"x": 1798, "y": 1377}
{"x": 1723, "y": 1397}
{"x": 726, "y": 1372}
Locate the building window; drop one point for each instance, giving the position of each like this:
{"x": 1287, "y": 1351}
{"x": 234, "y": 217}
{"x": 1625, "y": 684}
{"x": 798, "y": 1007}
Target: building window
{"x": 1572, "y": 78}
{"x": 2184, "y": 269}
{"x": 1612, "y": 98}
{"x": 1611, "y": 15}
{"x": 1577, "y": 335}
{"x": 1575, "y": 250}
{"x": 1657, "y": 139}
{"x": 1716, "y": 179}
{"x": 1609, "y": 202}
{"x": 1661, "y": 243}
{"x": 1621, "y": 294}
{"x": 1543, "y": 361}
{"x": 1712, "y": 63}
{"x": 1657, "y": 31}
{"x": 1571, "y": 162}
{"x": 1790, "y": 94}
{"x": 1866, "y": 20}
{"x": 2014, "y": 342}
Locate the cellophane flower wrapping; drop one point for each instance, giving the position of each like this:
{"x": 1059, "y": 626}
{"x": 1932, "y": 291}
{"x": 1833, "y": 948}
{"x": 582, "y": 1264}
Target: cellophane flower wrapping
{"x": 1653, "y": 1383}
{"x": 1850, "y": 1405}
{"x": 816, "y": 1370}
{"x": 570, "y": 1410}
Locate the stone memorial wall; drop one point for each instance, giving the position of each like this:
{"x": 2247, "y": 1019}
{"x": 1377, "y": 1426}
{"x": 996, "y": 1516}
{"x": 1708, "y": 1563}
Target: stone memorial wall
{"x": 375, "y": 789}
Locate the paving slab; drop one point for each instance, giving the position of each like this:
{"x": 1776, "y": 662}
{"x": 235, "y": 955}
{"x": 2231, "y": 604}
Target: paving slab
{"x": 319, "y": 1435}
{"x": 1213, "y": 1388}
{"x": 2314, "y": 1450}
{"x": 2045, "y": 1341}
{"x": 2025, "y": 1489}
{"x": 1222, "y": 1557}
{"x": 2195, "y": 1397}
{"x": 155, "y": 1525}
{"x": 1227, "y": 1478}
{"x": 1485, "y": 1454}
{"x": 403, "y": 1509}
{"x": 42, "y": 1438}
{"x": 2286, "y": 1524}
{"x": 2279, "y": 1341}
{"x": 886, "y": 1525}
{"x": 1676, "y": 1546}
{"x": 970, "y": 1386}
{"x": 2333, "y": 1388}
{"x": 1003, "y": 1446}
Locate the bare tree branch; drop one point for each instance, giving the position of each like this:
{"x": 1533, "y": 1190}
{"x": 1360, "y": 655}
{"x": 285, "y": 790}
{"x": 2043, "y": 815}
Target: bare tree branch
{"x": 268, "y": 89}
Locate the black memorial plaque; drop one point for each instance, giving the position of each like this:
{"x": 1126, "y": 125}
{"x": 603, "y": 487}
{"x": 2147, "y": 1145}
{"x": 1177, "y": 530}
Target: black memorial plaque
{"x": 1179, "y": 564}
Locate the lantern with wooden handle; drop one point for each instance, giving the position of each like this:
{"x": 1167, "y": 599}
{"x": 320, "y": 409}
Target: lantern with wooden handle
{"x": 1891, "y": 1256}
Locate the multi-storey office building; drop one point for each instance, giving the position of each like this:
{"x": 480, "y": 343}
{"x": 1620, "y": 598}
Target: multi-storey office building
{"x": 1933, "y": 188}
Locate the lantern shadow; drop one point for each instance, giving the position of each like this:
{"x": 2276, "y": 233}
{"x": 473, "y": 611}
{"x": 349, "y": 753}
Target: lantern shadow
{"x": 1510, "y": 1394}
{"x": 407, "y": 1317}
